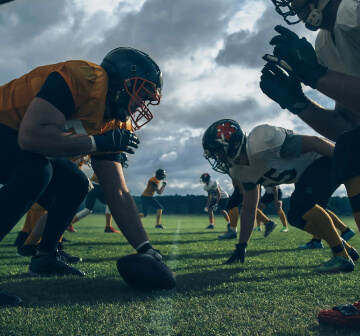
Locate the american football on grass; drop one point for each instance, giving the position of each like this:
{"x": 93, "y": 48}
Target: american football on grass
{"x": 143, "y": 271}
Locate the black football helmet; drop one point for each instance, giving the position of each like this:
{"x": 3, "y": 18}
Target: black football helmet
{"x": 205, "y": 178}
{"x": 134, "y": 79}
{"x": 314, "y": 19}
{"x": 222, "y": 142}
{"x": 124, "y": 159}
{"x": 160, "y": 174}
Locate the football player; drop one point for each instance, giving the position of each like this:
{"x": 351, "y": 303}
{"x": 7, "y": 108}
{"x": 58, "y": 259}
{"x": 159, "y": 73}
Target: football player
{"x": 272, "y": 194}
{"x": 333, "y": 68}
{"x": 217, "y": 199}
{"x": 147, "y": 197}
{"x": 71, "y": 109}
{"x": 97, "y": 194}
{"x": 271, "y": 156}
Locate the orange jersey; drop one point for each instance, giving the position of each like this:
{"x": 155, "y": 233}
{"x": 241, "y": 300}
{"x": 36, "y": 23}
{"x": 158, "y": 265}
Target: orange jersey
{"x": 88, "y": 83}
{"x": 150, "y": 188}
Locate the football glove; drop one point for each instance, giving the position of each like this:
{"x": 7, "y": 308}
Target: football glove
{"x": 116, "y": 140}
{"x": 296, "y": 56}
{"x": 214, "y": 207}
{"x": 238, "y": 254}
{"x": 283, "y": 89}
{"x": 164, "y": 183}
{"x": 148, "y": 249}
{"x": 206, "y": 209}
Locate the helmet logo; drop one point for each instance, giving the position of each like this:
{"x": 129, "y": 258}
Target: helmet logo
{"x": 225, "y": 130}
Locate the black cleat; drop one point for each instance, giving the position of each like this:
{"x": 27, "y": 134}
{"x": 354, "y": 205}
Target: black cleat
{"x": 8, "y": 299}
{"x": 269, "y": 227}
{"x": 69, "y": 258}
{"x": 238, "y": 254}
{"x": 52, "y": 264}
{"x": 26, "y": 250}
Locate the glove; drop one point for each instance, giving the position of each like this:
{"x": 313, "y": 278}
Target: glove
{"x": 238, "y": 254}
{"x": 206, "y": 209}
{"x": 283, "y": 89}
{"x": 297, "y": 56}
{"x": 164, "y": 183}
{"x": 214, "y": 207}
{"x": 148, "y": 249}
{"x": 116, "y": 140}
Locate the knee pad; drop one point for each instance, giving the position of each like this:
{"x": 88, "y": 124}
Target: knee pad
{"x": 294, "y": 217}
{"x": 346, "y": 158}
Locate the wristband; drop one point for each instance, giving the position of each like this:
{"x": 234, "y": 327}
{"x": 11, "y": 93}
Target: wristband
{"x": 141, "y": 245}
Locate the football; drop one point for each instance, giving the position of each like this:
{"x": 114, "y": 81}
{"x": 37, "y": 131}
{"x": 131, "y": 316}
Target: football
{"x": 143, "y": 271}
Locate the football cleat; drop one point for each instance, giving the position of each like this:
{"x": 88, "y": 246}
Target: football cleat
{"x": 110, "y": 229}
{"x": 238, "y": 254}
{"x": 69, "y": 258}
{"x": 347, "y": 234}
{"x": 70, "y": 228}
{"x": 312, "y": 244}
{"x": 229, "y": 234}
{"x": 336, "y": 264}
{"x": 210, "y": 226}
{"x": 52, "y": 264}
{"x": 26, "y": 250}
{"x": 284, "y": 229}
{"x": 159, "y": 226}
{"x": 354, "y": 255}
{"x": 269, "y": 227}
{"x": 8, "y": 299}
{"x": 257, "y": 228}
{"x": 347, "y": 315}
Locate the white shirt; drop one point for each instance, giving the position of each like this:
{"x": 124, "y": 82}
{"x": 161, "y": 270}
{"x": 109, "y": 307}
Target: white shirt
{"x": 212, "y": 187}
{"x": 343, "y": 55}
{"x": 266, "y": 165}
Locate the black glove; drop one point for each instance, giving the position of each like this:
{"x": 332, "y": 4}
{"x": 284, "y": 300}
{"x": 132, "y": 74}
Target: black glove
{"x": 297, "y": 56}
{"x": 238, "y": 254}
{"x": 116, "y": 140}
{"x": 283, "y": 89}
{"x": 148, "y": 249}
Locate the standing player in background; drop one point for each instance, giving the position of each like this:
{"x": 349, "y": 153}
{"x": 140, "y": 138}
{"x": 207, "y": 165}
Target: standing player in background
{"x": 96, "y": 194}
{"x": 333, "y": 69}
{"x": 216, "y": 200}
{"x": 272, "y": 194}
{"x": 147, "y": 197}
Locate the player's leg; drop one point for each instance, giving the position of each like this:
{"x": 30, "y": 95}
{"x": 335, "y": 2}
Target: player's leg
{"x": 63, "y": 196}
{"x": 346, "y": 232}
{"x": 311, "y": 194}
{"x": 159, "y": 210}
{"x": 211, "y": 215}
{"x": 269, "y": 224}
{"x": 280, "y": 211}
{"x": 108, "y": 219}
{"x": 260, "y": 215}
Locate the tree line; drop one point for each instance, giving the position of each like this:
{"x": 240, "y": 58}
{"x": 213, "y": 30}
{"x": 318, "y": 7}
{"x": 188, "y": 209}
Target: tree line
{"x": 194, "y": 205}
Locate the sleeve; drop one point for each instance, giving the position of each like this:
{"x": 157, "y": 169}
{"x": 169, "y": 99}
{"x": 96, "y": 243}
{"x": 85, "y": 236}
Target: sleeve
{"x": 292, "y": 145}
{"x": 56, "y": 91}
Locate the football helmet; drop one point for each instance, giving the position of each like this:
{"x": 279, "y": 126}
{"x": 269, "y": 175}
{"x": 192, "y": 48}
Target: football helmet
{"x": 313, "y": 21}
{"x": 205, "y": 178}
{"x": 135, "y": 82}
{"x": 124, "y": 160}
{"x": 223, "y": 142}
{"x": 160, "y": 174}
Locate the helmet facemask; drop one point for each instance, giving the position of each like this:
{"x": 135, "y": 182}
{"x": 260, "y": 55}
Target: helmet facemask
{"x": 142, "y": 93}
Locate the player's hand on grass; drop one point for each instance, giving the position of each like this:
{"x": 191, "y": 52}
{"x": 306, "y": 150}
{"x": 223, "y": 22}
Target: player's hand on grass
{"x": 238, "y": 254}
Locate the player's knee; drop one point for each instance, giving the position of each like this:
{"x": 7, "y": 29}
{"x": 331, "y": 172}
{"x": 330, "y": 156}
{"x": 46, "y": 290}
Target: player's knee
{"x": 294, "y": 217}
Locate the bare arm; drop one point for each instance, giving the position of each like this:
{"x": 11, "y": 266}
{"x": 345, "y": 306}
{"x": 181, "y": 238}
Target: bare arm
{"x": 248, "y": 214}
{"x": 318, "y": 145}
{"x": 119, "y": 200}
{"x": 42, "y": 132}
{"x": 160, "y": 190}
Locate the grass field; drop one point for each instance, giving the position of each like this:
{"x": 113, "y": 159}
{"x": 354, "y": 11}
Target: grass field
{"x": 275, "y": 292}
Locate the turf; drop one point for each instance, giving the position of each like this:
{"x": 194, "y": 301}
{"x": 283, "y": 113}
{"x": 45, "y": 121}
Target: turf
{"x": 275, "y": 292}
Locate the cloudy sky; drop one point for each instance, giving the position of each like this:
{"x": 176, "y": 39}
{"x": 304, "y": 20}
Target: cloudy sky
{"x": 210, "y": 53}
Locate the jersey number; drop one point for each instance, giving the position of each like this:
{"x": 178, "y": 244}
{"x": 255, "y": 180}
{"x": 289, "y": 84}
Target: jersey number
{"x": 280, "y": 179}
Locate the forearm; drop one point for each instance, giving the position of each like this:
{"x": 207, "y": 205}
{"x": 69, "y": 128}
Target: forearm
{"x": 342, "y": 88}
{"x": 318, "y": 145}
{"x": 51, "y": 141}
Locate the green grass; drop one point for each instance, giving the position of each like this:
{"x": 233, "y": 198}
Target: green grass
{"x": 276, "y": 291}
